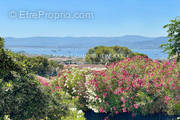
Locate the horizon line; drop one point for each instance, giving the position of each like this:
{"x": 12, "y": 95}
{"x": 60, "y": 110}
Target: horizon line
{"x": 85, "y": 36}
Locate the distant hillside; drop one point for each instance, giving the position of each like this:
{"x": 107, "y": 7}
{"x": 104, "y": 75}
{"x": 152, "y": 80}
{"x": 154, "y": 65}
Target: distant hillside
{"x": 131, "y": 41}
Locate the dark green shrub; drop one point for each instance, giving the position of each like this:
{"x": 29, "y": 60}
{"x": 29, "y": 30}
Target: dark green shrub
{"x": 22, "y": 96}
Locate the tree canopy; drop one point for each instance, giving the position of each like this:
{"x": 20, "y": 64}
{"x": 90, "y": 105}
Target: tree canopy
{"x": 173, "y": 45}
{"x": 105, "y": 55}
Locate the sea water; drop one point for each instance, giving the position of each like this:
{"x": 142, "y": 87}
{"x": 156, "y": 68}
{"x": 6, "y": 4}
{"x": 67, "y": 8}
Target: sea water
{"x": 81, "y": 52}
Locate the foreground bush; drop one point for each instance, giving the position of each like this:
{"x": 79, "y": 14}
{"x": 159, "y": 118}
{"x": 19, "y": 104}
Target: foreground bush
{"x": 137, "y": 85}
{"x": 22, "y": 97}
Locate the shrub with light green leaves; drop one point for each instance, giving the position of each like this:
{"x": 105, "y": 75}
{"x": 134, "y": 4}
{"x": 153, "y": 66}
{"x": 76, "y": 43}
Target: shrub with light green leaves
{"x": 73, "y": 81}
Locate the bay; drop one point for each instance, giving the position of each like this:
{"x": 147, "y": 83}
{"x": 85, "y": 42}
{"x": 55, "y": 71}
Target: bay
{"x": 81, "y": 52}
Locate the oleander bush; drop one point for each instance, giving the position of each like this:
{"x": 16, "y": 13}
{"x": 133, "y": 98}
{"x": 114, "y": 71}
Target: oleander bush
{"x": 136, "y": 85}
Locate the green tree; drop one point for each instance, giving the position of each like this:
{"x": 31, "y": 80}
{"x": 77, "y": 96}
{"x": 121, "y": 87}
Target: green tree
{"x": 38, "y": 65}
{"x": 105, "y": 55}
{"x": 1, "y": 42}
{"x": 173, "y": 45}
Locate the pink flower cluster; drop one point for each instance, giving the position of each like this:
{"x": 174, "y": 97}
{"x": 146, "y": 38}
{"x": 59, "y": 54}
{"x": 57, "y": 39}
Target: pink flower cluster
{"x": 132, "y": 81}
{"x": 42, "y": 81}
{"x": 131, "y": 85}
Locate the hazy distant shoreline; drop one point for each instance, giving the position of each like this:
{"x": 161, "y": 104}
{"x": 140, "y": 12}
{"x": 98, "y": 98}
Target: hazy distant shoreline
{"x": 78, "y": 46}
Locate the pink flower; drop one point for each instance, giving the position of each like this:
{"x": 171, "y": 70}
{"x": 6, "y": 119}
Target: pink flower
{"x": 105, "y": 94}
{"x": 58, "y": 75}
{"x": 107, "y": 103}
{"x": 161, "y": 84}
{"x": 156, "y": 85}
{"x": 96, "y": 84}
{"x": 176, "y": 87}
{"x": 124, "y": 110}
{"x": 106, "y": 90}
{"x": 175, "y": 81}
{"x": 167, "y": 98}
{"x": 123, "y": 100}
{"x": 114, "y": 108}
{"x": 109, "y": 86}
{"x": 45, "y": 83}
{"x": 57, "y": 87}
{"x": 133, "y": 85}
{"x": 97, "y": 89}
{"x": 158, "y": 90}
{"x": 135, "y": 106}
{"x": 117, "y": 112}
{"x": 170, "y": 69}
{"x": 127, "y": 88}
{"x": 172, "y": 85}
{"x": 133, "y": 66}
{"x": 116, "y": 92}
{"x": 152, "y": 74}
{"x": 178, "y": 75}
{"x": 114, "y": 72}
{"x": 42, "y": 81}
{"x": 164, "y": 65}
{"x": 101, "y": 110}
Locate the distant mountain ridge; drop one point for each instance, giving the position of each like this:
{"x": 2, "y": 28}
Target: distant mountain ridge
{"x": 130, "y": 41}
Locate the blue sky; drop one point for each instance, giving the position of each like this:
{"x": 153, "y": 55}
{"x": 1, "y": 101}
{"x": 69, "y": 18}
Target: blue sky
{"x": 111, "y": 17}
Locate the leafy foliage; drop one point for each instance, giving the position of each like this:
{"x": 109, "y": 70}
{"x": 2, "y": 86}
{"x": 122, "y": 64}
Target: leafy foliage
{"x": 38, "y": 65}
{"x": 173, "y": 45}
{"x": 70, "y": 101}
{"x": 22, "y": 96}
{"x": 57, "y": 106}
{"x": 74, "y": 115}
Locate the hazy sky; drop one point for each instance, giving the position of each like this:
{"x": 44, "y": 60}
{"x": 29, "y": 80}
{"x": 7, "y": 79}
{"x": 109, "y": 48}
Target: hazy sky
{"x": 111, "y": 17}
